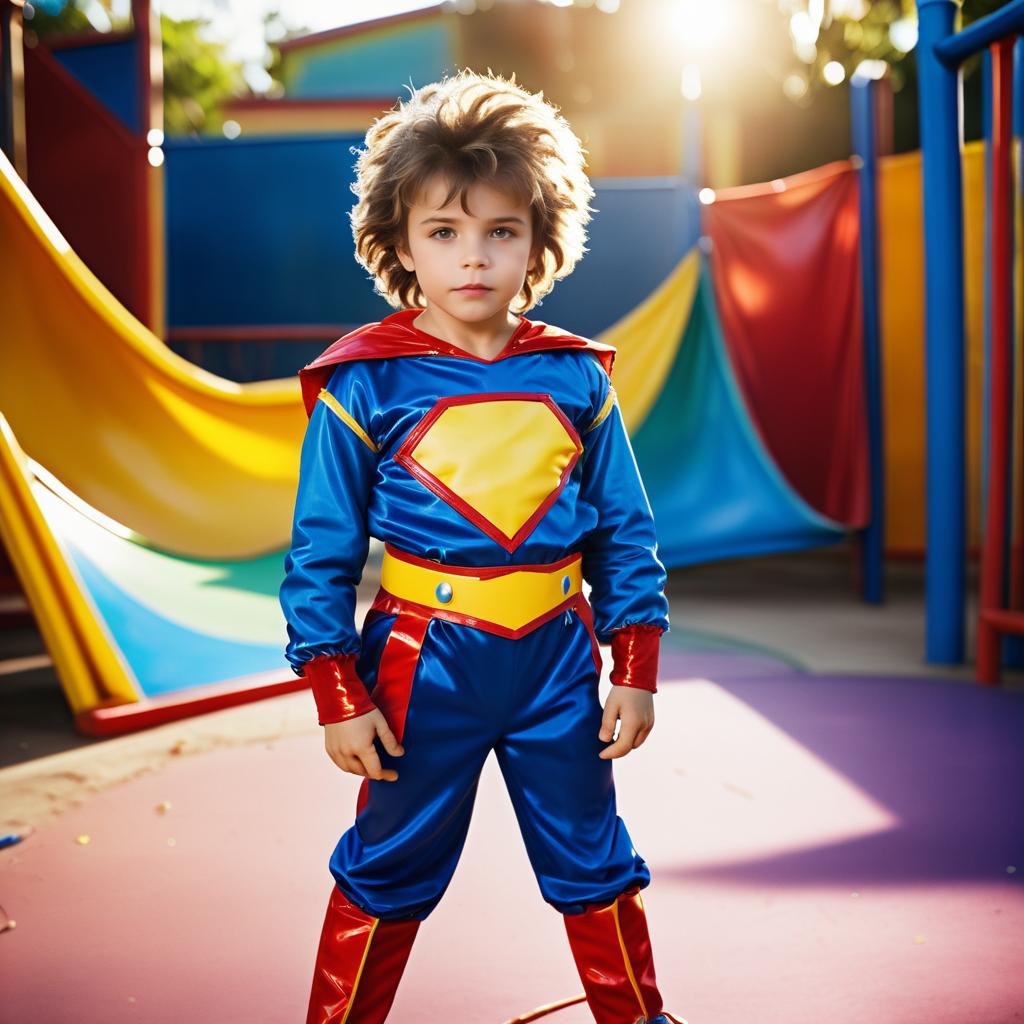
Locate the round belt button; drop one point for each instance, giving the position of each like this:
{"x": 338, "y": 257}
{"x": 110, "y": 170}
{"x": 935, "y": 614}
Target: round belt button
{"x": 566, "y": 583}
{"x": 444, "y": 592}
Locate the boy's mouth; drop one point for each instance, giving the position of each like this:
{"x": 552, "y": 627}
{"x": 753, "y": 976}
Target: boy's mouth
{"x": 473, "y": 288}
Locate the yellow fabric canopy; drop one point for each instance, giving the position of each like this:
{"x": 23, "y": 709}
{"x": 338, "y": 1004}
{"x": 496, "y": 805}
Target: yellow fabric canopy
{"x": 901, "y": 250}
{"x": 648, "y": 338}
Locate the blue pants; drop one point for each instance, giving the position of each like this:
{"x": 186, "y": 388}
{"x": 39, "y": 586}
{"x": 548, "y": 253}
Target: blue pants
{"x": 534, "y": 700}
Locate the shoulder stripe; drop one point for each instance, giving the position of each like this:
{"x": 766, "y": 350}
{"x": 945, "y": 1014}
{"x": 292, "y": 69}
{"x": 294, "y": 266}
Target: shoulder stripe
{"x": 605, "y": 409}
{"x": 343, "y": 414}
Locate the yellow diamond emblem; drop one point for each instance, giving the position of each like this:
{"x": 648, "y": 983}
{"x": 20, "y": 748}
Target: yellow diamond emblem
{"x": 499, "y": 460}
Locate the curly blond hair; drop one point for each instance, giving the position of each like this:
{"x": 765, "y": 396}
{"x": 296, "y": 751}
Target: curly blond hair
{"x": 471, "y": 127}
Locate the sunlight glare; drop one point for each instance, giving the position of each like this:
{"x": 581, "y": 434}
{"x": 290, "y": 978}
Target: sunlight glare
{"x": 701, "y": 28}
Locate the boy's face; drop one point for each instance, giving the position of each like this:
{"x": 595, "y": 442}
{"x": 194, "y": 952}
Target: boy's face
{"x": 448, "y": 249}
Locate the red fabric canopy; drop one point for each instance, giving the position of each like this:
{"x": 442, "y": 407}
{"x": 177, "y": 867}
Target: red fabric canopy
{"x": 786, "y": 266}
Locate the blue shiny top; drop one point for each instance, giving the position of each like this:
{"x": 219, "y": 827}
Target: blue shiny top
{"x": 348, "y": 492}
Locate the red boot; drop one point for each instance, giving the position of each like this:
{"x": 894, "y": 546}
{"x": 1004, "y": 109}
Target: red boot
{"x": 612, "y": 950}
{"x": 358, "y": 965}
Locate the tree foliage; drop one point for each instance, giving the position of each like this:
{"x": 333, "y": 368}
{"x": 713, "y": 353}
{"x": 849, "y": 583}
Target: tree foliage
{"x": 856, "y": 30}
{"x": 198, "y": 76}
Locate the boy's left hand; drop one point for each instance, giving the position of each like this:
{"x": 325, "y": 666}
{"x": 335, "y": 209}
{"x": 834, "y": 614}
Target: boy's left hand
{"x": 635, "y": 709}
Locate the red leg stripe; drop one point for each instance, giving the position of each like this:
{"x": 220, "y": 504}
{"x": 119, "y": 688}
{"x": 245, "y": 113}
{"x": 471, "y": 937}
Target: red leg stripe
{"x": 397, "y": 667}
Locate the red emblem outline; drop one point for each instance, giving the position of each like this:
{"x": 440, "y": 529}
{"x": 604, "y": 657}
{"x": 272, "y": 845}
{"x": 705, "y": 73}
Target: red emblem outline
{"x": 403, "y": 456}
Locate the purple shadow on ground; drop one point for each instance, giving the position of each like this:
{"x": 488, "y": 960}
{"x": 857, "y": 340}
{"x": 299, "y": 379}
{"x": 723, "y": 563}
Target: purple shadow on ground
{"x": 944, "y": 756}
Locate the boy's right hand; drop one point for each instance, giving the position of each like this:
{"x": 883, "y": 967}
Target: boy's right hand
{"x": 350, "y": 746}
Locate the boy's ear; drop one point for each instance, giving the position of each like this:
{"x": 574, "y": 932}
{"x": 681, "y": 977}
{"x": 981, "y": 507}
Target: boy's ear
{"x": 404, "y": 257}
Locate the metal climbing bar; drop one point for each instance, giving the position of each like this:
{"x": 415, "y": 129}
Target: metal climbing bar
{"x": 867, "y": 95}
{"x": 993, "y": 618}
{"x": 940, "y": 53}
{"x": 1005, "y": 23}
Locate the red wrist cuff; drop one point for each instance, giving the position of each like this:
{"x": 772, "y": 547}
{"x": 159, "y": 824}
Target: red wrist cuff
{"x": 339, "y": 693}
{"x": 635, "y": 656}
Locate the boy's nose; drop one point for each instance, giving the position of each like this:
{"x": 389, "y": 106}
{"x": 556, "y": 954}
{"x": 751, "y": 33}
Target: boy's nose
{"x": 474, "y": 259}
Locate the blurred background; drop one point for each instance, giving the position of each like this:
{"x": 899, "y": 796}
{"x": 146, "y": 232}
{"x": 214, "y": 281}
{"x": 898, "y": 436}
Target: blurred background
{"x": 175, "y": 227}
{"x": 261, "y": 101}
{"x": 772, "y": 75}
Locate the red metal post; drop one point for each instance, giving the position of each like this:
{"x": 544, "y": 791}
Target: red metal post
{"x": 993, "y": 544}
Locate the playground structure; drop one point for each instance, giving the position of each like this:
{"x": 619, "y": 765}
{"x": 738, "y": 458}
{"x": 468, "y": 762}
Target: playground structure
{"x": 802, "y": 801}
{"x": 149, "y": 514}
{"x": 942, "y": 52}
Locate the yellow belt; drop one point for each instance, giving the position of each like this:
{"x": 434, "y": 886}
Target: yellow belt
{"x": 507, "y": 596}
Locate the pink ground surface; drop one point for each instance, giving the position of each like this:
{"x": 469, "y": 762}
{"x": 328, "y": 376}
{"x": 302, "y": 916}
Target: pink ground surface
{"x": 822, "y": 850}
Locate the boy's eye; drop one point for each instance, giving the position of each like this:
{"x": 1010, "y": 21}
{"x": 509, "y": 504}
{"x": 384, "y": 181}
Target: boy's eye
{"x": 509, "y": 233}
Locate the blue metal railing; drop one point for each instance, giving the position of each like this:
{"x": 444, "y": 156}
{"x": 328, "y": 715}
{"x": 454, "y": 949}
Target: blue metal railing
{"x": 940, "y": 53}
{"x": 863, "y": 96}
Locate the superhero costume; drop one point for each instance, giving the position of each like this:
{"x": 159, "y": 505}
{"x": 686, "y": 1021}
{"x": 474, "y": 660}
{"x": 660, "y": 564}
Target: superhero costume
{"x": 497, "y": 486}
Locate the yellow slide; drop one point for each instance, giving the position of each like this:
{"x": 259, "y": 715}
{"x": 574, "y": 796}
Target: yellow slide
{"x": 196, "y": 464}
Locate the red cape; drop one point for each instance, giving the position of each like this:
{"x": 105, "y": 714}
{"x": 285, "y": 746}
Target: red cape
{"x": 395, "y": 335}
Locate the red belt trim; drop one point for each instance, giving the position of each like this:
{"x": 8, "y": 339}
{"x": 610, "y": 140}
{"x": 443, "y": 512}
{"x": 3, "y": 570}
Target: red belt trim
{"x": 484, "y": 572}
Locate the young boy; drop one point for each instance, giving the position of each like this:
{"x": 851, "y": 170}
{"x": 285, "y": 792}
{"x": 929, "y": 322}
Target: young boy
{"x": 488, "y": 452}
